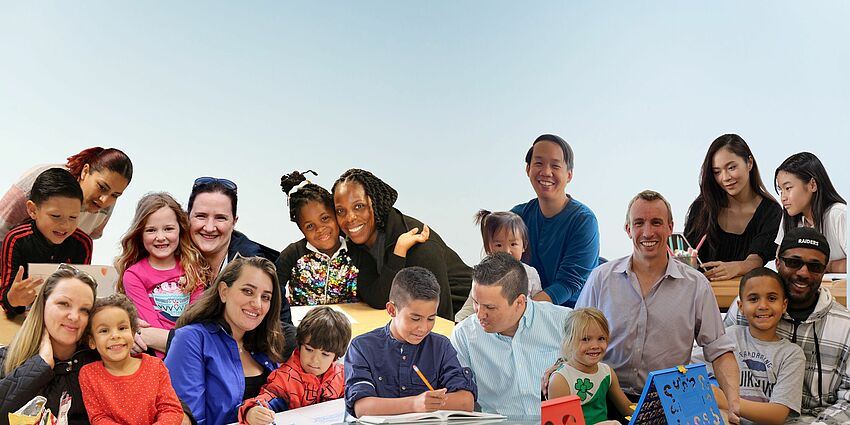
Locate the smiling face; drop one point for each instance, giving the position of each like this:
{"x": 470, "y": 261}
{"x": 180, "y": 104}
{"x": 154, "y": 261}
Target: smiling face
{"x": 731, "y": 172}
{"x": 795, "y": 194}
{"x": 318, "y": 224}
{"x": 495, "y": 314}
{"x": 161, "y": 236}
{"x": 802, "y": 284}
{"x": 247, "y": 301}
{"x": 111, "y": 334}
{"x": 506, "y": 240}
{"x": 762, "y": 302}
{"x": 211, "y": 222}
{"x": 56, "y": 217}
{"x": 413, "y": 322}
{"x": 101, "y": 189}
{"x": 590, "y": 349}
{"x": 649, "y": 227}
{"x": 315, "y": 361}
{"x": 355, "y": 214}
{"x": 66, "y": 313}
{"x": 547, "y": 171}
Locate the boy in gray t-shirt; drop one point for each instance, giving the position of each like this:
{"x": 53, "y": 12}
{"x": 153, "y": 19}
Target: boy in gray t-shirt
{"x": 771, "y": 368}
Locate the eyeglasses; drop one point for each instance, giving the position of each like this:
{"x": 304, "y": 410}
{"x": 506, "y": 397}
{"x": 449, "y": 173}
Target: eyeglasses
{"x": 229, "y": 185}
{"x": 796, "y": 263}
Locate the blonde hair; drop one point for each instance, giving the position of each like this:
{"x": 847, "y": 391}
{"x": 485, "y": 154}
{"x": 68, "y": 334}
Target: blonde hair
{"x": 27, "y": 341}
{"x": 575, "y": 328}
{"x": 198, "y": 272}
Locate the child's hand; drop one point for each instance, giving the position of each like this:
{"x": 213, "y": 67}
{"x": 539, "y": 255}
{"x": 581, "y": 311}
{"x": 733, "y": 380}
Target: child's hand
{"x": 45, "y": 349}
{"x": 259, "y": 415}
{"x": 407, "y": 240}
{"x": 22, "y": 293}
{"x": 430, "y": 401}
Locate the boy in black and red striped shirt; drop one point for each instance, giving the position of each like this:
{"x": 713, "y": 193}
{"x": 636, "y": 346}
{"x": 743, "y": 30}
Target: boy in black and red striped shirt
{"x": 49, "y": 236}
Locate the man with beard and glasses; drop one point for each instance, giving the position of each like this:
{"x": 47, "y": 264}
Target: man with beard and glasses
{"x": 815, "y": 322}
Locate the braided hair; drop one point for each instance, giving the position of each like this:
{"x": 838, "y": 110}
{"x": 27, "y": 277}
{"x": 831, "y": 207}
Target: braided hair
{"x": 304, "y": 194}
{"x": 383, "y": 196}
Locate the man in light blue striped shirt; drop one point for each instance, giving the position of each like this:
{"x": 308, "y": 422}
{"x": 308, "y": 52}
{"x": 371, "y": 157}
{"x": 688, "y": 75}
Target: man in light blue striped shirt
{"x": 511, "y": 340}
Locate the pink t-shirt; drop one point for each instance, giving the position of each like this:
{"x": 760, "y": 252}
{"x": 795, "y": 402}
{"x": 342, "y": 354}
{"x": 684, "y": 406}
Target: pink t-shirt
{"x": 158, "y": 294}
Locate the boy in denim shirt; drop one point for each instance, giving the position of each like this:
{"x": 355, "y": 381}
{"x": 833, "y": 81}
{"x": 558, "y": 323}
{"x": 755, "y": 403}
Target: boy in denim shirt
{"x": 379, "y": 375}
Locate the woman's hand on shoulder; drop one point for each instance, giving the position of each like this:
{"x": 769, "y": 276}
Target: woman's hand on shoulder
{"x": 408, "y": 239}
{"x": 45, "y": 349}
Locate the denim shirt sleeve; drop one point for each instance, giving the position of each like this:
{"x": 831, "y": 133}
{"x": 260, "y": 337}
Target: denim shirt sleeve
{"x": 359, "y": 381}
{"x": 454, "y": 377}
{"x": 185, "y": 362}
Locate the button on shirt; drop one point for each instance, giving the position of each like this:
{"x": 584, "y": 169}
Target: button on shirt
{"x": 378, "y": 365}
{"x": 206, "y": 371}
{"x": 508, "y": 370}
{"x": 658, "y": 331}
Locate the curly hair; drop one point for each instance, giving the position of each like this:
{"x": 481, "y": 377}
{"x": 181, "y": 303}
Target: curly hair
{"x": 198, "y": 272}
{"x": 120, "y": 301}
{"x": 382, "y": 195}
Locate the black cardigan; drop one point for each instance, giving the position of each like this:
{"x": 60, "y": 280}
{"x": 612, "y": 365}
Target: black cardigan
{"x": 373, "y": 286}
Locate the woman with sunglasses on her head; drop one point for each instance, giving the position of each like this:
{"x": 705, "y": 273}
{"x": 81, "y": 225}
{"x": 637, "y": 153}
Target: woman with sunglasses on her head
{"x": 103, "y": 173}
{"x": 212, "y": 217}
{"x": 48, "y": 351}
{"x": 810, "y": 200}
{"x": 228, "y": 342}
{"x": 734, "y": 213}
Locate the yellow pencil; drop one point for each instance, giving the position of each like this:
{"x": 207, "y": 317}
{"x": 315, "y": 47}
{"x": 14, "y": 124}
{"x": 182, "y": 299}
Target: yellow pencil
{"x": 419, "y": 372}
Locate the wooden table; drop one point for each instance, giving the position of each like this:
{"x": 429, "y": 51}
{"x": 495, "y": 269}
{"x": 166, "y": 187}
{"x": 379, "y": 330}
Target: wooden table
{"x": 8, "y": 328}
{"x": 726, "y": 290}
{"x": 368, "y": 318}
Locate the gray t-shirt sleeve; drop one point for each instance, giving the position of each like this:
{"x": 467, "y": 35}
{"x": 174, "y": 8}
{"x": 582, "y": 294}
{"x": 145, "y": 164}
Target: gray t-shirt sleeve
{"x": 791, "y": 365}
{"x": 771, "y": 371}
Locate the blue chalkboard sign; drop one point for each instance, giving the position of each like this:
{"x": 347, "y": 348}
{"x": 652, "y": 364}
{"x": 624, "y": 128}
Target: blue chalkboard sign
{"x": 680, "y": 395}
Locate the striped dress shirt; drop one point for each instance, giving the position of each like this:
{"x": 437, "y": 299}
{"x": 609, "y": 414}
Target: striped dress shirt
{"x": 508, "y": 370}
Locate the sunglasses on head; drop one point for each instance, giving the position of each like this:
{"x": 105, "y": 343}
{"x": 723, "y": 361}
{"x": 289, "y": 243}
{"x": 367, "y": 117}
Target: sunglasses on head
{"x": 80, "y": 273}
{"x": 229, "y": 185}
{"x": 796, "y": 263}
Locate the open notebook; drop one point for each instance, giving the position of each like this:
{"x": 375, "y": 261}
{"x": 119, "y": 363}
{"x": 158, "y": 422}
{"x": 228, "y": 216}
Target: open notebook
{"x": 431, "y": 417}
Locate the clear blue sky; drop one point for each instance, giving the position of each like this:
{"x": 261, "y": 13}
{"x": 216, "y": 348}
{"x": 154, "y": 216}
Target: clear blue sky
{"x": 440, "y": 99}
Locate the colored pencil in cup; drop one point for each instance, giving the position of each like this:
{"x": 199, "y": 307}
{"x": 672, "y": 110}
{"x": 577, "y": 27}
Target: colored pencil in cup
{"x": 421, "y": 376}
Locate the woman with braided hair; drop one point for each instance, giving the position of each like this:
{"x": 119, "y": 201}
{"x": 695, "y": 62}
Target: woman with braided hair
{"x": 392, "y": 240}
{"x": 317, "y": 269}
